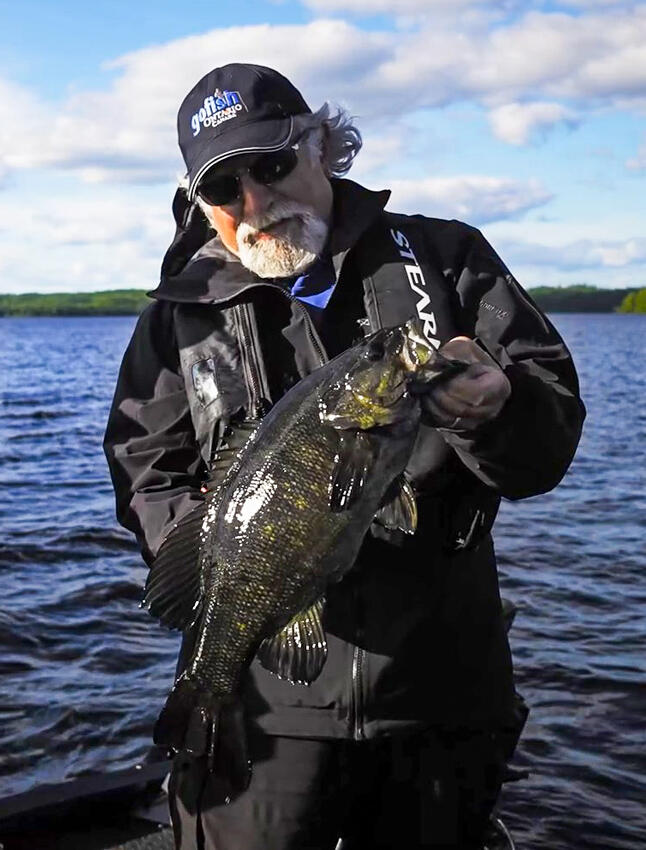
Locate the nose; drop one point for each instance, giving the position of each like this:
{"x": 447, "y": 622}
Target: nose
{"x": 256, "y": 197}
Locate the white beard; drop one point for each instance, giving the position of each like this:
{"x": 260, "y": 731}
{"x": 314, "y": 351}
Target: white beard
{"x": 298, "y": 243}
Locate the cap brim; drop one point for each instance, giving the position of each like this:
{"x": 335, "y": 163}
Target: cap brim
{"x": 259, "y": 136}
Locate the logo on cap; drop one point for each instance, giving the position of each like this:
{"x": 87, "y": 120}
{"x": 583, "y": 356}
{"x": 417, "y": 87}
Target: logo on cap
{"x": 219, "y": 107}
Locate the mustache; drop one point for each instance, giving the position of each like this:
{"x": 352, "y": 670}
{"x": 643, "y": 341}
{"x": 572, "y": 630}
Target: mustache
{"x": 247, "y": 231}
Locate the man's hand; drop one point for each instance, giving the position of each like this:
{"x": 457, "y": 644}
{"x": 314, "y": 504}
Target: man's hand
{"x": 474, "y": 396}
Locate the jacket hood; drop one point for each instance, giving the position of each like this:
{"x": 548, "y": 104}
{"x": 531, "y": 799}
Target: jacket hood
{"x": 198, "y": 268}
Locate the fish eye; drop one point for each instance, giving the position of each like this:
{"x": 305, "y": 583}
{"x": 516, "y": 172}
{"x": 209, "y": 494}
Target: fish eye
{"x": 375, "y": 350}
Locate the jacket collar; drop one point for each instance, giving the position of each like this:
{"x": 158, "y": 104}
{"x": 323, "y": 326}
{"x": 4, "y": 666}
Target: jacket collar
{"x": 197, "y": 268}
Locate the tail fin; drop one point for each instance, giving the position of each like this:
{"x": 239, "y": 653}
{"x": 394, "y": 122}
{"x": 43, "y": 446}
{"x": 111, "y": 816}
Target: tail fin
{"x": 201, "y": 724}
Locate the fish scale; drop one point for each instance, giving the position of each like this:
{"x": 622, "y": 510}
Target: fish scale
{"x": 302, "y": 468}
{"x": 287, "y": 520}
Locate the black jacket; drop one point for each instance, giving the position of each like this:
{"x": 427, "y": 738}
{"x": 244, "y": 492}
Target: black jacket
{"x": 415, "y": 630}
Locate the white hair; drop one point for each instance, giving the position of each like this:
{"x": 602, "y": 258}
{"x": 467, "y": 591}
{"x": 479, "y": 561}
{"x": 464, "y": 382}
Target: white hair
{"x": 341, "y": 139}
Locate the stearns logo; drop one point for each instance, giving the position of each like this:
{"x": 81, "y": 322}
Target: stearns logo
{"x": 417, "y": 283}
{"x": 219, "y": 107}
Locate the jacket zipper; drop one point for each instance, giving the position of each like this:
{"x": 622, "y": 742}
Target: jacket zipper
{"x": 358, "y": 731}
{"x": 357, "y": 696}
{"x": 250, "y": 363}
{"x": 372, "y": 309}
{"x": 309, "y": 327}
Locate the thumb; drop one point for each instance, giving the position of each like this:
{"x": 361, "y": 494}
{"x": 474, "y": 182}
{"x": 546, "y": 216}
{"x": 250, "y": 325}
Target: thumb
{"x": 463, "y": 348}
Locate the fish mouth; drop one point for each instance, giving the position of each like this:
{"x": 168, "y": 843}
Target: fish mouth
{"x": 416, "y": 351}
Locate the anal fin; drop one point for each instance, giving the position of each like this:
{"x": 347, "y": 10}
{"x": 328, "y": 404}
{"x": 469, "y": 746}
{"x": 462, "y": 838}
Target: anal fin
{"x": 298, "y": 651}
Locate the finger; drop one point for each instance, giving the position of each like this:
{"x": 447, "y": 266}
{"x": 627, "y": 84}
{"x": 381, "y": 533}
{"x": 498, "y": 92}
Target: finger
{"x": 469, "y": 393}
{"x": 440, "y": 417}
{"x": 483, "y": 410}
{"x": 464, "y": 400}
{"x": 482, "y": 388}
{"x": 459, "y": 348}
{"x": 445, "y": 415}
{"x": 447, "y": 404}
{"x": 463, "y": 348}
{"x": 455, "y": 423}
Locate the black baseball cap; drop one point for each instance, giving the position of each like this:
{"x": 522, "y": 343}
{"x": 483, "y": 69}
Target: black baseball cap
{"x": 234, "y": 110}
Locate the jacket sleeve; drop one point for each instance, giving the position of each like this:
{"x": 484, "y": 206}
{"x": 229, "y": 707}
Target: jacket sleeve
{"x": 150, "y": 443}
{"x": 527, "y": 449}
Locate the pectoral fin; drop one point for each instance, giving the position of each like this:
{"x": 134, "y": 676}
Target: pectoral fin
{"x": 298, "y": 651}
{"x": 353, "y": 461}
{"x": 399, "y": 512}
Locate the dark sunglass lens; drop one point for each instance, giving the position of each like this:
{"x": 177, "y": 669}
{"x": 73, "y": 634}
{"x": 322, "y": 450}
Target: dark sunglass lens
{"x": 219, "y": 190}
{"x": 274, "y": 166}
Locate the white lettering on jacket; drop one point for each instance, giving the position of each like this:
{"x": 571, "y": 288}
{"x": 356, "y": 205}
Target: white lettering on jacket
{"x": 418, "y": 285}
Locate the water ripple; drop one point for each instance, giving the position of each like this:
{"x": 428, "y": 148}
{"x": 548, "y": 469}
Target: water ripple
{"x": 85, "y": 670}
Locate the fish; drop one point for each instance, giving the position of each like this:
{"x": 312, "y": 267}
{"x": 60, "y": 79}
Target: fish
{"x": 251, "y": 570}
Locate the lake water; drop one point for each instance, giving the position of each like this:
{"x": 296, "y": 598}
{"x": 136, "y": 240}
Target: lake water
{"x": 84, "y": 671}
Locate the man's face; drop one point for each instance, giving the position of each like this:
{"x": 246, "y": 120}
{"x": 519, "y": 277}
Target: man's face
{"x": 276, "y": 230}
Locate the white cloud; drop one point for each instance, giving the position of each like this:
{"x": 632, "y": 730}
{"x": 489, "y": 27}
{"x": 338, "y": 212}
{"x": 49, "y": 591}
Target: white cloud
{"x": 581, "y": 254}
{"x": 426, "y": 7}
{"x": 517, "y": 123}
{"x": 17, "y": 106}
{"x": 477, "y": 199}
{"x": 598, "y": 4}
{"x": 583, "y": 58}
{"x": 411, "y": 10}
{"x": 378, "y": 151}
{"x": 559, "y": 55}
{"x": 586, "y": 59}
{"x": 115, "y": 240}
{"x": 96, "y": 132}
{"x": 389, "y": 7}
{"x": 82, "y": 244}
{"x": 529, "y": 68}
{"x": 128, "y": 131}
{"x": 536, "y": 71}
{"x": 638, "y": 162}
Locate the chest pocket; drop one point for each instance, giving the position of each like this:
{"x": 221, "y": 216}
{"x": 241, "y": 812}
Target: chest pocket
{"x": 212, "y": 369}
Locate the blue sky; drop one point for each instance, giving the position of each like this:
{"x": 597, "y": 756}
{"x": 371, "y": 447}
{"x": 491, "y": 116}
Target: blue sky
{"x": 527, "y": 119}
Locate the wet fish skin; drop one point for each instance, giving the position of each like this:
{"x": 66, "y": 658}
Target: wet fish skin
{"x": 288, "y": 520}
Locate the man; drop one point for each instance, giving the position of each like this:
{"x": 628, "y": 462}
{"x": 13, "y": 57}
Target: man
{"x": 276, "y": 266}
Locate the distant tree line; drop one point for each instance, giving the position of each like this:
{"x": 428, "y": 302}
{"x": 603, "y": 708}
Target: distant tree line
{"x": 127, "y": 302}
{"x": 582, "y": 298}
{"x": 116, "y": 302}
{"x": 634, "y": 302}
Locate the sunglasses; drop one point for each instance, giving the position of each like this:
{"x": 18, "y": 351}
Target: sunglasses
{"x": 221, "y": 189}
